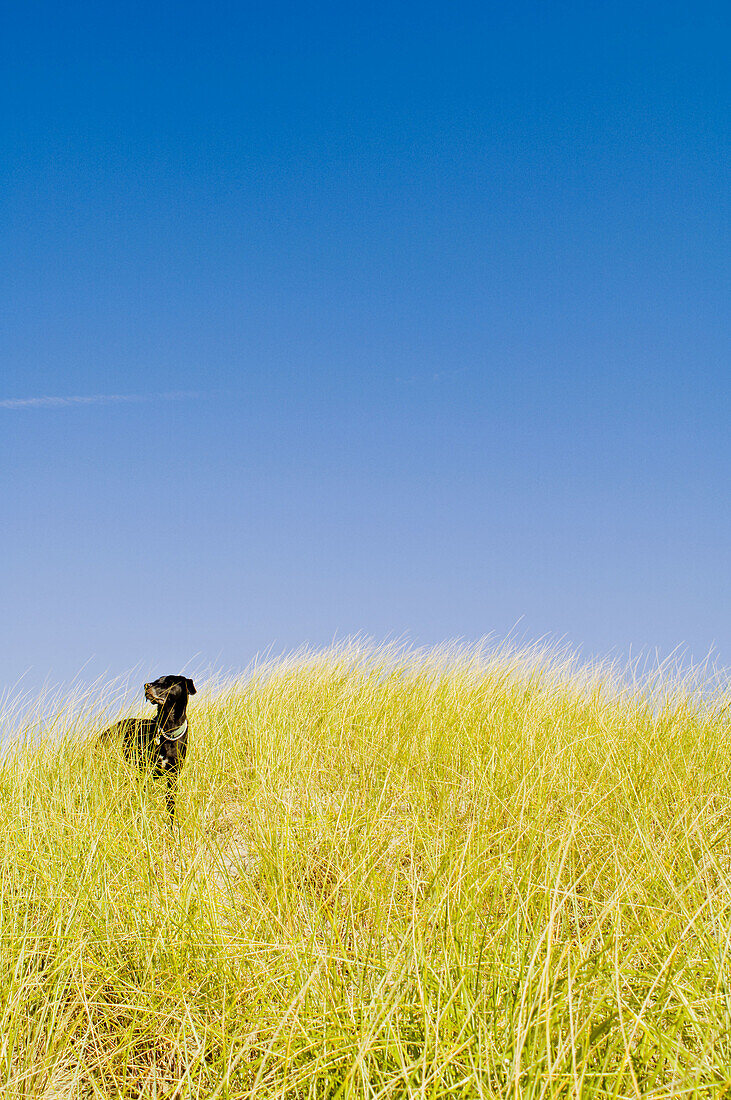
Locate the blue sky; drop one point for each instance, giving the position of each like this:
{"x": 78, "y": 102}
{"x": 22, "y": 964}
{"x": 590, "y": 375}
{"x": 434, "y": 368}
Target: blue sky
{"x": 425, "y": 308}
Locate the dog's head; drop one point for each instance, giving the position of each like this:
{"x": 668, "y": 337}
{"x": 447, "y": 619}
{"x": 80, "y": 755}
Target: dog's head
{"x": 169, "y": 690}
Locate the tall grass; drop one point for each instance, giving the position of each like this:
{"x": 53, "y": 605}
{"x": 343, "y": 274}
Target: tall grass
{"x": 394, "y": 874}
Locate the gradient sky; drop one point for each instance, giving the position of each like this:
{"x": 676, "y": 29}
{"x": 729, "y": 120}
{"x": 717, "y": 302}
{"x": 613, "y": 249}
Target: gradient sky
{"x": 424, "y": 307}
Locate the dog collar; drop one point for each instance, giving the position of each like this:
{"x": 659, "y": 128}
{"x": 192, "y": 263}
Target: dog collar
{"x": 177, "y": 733}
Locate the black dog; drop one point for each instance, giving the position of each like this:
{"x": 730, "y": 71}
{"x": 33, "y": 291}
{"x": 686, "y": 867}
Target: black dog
{"x": 159, "y": 743}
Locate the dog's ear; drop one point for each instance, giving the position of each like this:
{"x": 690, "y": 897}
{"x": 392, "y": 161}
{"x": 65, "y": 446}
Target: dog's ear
{"x": 190, "y": 686}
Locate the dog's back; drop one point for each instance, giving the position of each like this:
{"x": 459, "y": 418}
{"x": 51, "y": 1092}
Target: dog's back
{"x": 137, "y": 736}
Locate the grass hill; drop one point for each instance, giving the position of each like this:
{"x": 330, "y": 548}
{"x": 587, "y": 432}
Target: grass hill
{"x": 394, "y": 874}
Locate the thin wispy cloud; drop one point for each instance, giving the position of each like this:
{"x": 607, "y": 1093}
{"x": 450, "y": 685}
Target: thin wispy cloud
{"x": 93, "y": 399}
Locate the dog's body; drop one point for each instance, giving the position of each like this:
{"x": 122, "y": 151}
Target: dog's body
{"x": 160, "y": 743}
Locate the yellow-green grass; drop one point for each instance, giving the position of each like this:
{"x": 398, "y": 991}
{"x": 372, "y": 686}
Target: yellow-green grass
{"x": 394, "y": 874}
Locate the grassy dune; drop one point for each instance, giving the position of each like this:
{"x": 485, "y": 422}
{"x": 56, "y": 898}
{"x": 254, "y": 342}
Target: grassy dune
{"x": 394, "y": 875}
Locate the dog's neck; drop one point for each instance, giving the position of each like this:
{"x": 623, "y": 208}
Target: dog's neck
{"x": 170, "y": 716}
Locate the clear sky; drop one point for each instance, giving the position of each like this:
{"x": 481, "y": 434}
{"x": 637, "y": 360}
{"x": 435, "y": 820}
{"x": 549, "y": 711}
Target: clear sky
{"x": 424, "y": 307}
